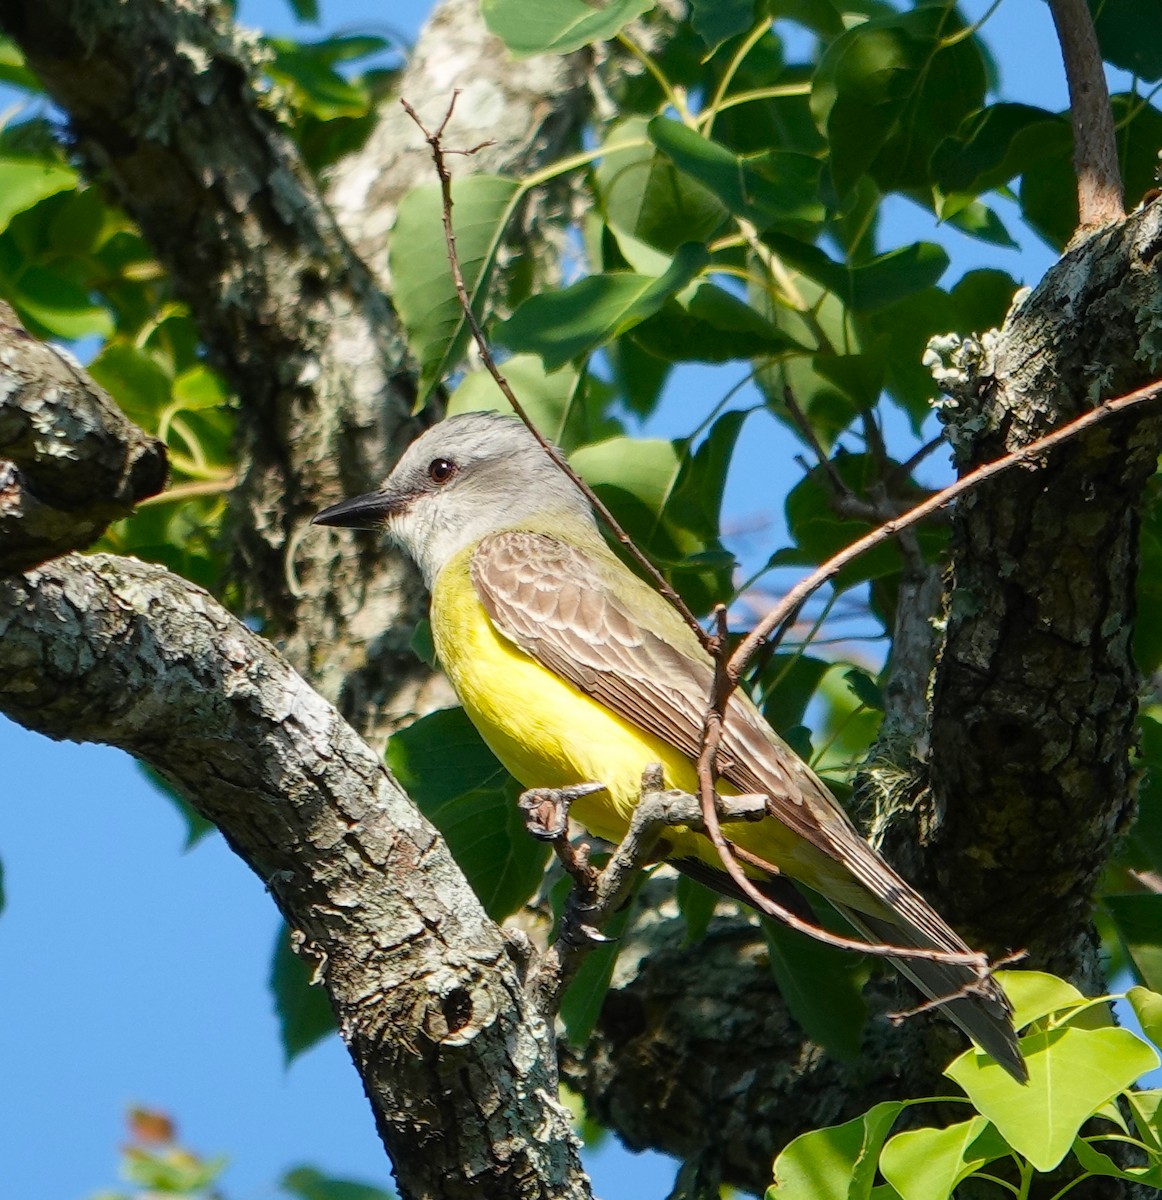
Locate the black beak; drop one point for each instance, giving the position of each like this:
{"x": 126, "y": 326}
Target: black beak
{"x": 364, "y": 512}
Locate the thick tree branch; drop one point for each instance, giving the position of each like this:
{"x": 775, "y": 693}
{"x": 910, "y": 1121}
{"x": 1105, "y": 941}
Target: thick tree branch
{"x": 70, "y": 462}
{"x": 1095, "y": 146}
{"x": 1036, "y": 673}
{"x": 1035, "y": 693}
{"x": 457, "y": 1063}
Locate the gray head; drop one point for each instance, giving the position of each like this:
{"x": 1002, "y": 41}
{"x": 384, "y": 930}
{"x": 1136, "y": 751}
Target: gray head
{"x": 466, "y": 477}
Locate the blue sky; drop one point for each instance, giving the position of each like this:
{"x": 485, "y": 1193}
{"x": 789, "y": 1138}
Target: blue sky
{"x": 136, "y": 973}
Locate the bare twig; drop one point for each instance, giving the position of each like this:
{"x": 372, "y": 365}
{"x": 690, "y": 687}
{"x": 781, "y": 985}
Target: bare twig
{"x": 772, "y": 625}
{"x": 611, "y": 523}
{"x": 978, "y": 987}
{"x": 1095, "y": 148}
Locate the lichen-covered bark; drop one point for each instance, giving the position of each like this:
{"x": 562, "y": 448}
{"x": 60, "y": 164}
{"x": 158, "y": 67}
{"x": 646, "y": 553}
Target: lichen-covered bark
{"x": 70, "y": 462}
{"x": 458, "y": 1066}
{"x": 1034, "y": 700}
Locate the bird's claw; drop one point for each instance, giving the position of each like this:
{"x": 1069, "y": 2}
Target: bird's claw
{"x": 546, "y": 810}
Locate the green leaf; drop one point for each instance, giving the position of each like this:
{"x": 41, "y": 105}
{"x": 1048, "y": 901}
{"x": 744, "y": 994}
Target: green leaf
{"x": 1072, "y": 1073}
{"x": 305, "y": 10}
{"x": 1147, "y": 1006}
{"x": 1130, "y": 35}
{"x": 889, "y": 90}
{"x": 558, "y": 26}
{"x": 776, "y": 188}
{"x": 559, "y": 403}
{"x": 54, "y": 305}
{"x": 13, "y": 71}
{"x": 836, "y": 1163}
{"x": 1145, "y": 839}
{"x": 1037, "y": 994}
{"x": 307, "y": 1183}
{"x": 135, "y": 379}
{"x": 997, "y": 144}
{"x": 822, "y": 986}
{"x": 1138, "y": 918}
{"x": 1097, "y": 1163}
{"x": 1146, "y": 1107}
{"x": 24, "y": 182}
{"x": 696, "y": 903}
{"x": 581, "y": 1004}
{"x": 197, "y": 827}
{"x": 819, "y": 16}
{"x": 561, "y": 326}
{"x": 424, "y": 293}
{"x": 444, "y": 765}
{"x": 709, "y": 324}
{"x": 981, "y": 222}
{"x": 788, "y": 683}
{"x": 864, "y": 688}
{"x": 303, "y": 1011}
{"x": 1049, "y": 198}
{"x": 644, "y": 195}
{"x": 819, "y": 533}
{"x": 308, "y": 71}
{"x": 982, "y": 299}
{"x": 926, "y": 1164}
{"x": 870, "y": 285}
{"x": 716, "y": 21}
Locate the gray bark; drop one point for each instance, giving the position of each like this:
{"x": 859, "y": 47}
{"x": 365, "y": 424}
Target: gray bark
{"x": 457, "y": 1064}
{"x": 70, "y": 462}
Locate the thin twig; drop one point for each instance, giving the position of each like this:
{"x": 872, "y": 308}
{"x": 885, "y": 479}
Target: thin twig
{"x": 903, "y": 471}
{"x": 787, "y": 609}
{"x": 1095, "y": 148}
{"x": 438, "y": 153}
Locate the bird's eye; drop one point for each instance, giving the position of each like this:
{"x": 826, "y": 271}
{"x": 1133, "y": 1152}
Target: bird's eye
{"x": 440, "y": 470}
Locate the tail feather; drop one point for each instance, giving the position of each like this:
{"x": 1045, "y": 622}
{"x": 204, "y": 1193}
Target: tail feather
{"x": 980, "y": 1007}
{"x": 977, "y": 1005}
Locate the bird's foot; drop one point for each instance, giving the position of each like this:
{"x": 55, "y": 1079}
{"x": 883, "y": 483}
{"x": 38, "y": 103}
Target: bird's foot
{"x": 546, "y": 810}
{"x": 577, "y": 928}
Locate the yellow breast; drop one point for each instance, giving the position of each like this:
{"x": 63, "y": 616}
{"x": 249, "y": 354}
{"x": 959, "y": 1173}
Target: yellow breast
{"x": 544, "y": 731}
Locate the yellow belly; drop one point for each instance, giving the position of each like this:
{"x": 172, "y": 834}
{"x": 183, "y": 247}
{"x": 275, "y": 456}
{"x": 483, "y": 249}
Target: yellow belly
{"x": 544, "y": 731}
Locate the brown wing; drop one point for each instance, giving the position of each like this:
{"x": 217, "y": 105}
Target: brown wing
{"x": 557, "y": 603}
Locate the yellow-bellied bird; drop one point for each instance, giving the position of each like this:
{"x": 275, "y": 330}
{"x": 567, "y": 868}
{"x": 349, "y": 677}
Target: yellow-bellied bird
{"x": 575, "y": 670}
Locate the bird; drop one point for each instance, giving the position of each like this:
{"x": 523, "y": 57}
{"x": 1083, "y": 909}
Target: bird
{"x": 575, "y": 670}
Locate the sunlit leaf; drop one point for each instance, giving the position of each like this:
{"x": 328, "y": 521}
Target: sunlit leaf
{"x": 558, "y": 26}
{"x": 1072, "y": 1072}
{"x": 926, "y": 1164}
{"x": 836, "y": 1163}
{"x": 424, "y": 293}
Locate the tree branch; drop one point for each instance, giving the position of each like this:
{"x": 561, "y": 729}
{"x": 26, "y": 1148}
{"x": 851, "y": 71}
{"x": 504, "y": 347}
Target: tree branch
{"x": 457, "y": 1064}
{"x": 1095, "y": 146}
{"x": 166, "y": 105}
{"x": 74, "y": 463}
